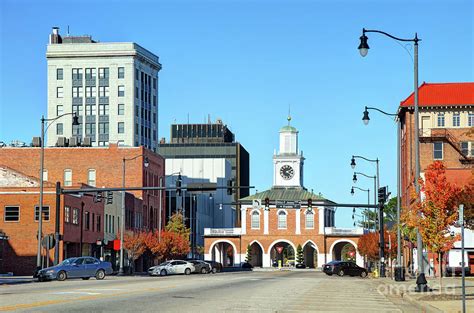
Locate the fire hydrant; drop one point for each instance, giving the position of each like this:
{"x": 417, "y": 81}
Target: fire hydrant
{"x": 376, "y": 273}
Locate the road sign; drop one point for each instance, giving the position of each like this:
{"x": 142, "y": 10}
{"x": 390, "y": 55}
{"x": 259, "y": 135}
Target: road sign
{"x": 284, "y": 204}
{"x": 48, "y": 242}
{"x": 279, "y": 249}
{"x": 256, "y": 204}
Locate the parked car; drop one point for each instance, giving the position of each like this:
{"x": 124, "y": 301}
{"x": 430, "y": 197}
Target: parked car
{"x": 82, "y": 267}
{"x": 172, "y": 267}
{"x": 216, "y": 267}
{"x": 342, "y": 268}
{"x": 200, "y": 266}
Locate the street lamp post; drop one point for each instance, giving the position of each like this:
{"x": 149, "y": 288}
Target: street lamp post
{"x": 368, "y": 197}
{"x": 122, "y": 219}
{"x": 363, "y": 49}
{"x": 366, "y": 119}
{"x": 75, "y": 121}
{"x": 354, "y": 179}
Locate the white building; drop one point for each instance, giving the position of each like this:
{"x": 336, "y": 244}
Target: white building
{"x": 112, "y": 87}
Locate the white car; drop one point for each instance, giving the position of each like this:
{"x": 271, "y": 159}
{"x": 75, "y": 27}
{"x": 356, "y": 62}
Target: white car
{"x": 172, "y": 267}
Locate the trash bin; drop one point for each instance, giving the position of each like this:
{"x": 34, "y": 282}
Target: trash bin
{"x": 399, "y": 273}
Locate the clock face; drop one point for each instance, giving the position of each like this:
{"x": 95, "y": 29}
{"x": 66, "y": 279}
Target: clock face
{"x": 287, "y": 172}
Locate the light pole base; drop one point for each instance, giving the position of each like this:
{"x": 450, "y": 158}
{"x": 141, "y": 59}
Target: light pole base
{"x": 421, "y": 283}
{"x": 121, "y": 272}
{"x": 399, "y": 273}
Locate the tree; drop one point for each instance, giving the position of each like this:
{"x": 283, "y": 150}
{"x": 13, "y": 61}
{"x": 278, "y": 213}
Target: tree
{"x": 248, "y": 257}
{"x": 176, "y": 225}
{"x": 299, "y": 255}
{"x": 466, "y": 197}
{"x": 436, "y": 212}
{"x": 368, "y": 244}
{"x": 171, "y": 246}
{"x": 371, "y": 216}
{"x": 134, "y": 243}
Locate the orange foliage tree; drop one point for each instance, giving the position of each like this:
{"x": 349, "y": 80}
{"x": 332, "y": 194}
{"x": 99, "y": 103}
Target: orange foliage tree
{"x": 437, "y": 211}
{"x": 134, "y": 243}
{"x": 171, "y": 246}
{"x": 368, "y": 245}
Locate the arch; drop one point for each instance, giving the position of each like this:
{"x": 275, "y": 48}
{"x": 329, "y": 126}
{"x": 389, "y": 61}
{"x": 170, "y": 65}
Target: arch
{"x": 218, "y": 249}
{"x": 257, "y": 242}
{"x": 254, "y": 210}
{"x": 310, "y": 254}
{"x": 342, "y": 240}
{"x": 280, "y": 240}
{"x": 315, "y": 245}
{"x": 256, "y": 253}
{"x": 282, "y": 210}
{"x": 333, "y": 251}
{"x": 220, "y": 241}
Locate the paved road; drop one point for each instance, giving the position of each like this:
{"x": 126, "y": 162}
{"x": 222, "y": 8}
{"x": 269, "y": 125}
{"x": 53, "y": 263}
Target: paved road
{"x": 280, "y": 291}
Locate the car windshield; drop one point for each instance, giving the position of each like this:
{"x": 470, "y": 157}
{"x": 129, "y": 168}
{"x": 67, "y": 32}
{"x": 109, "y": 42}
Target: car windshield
{"x": 68, "y": 261}
{"x": 164, "y": 263}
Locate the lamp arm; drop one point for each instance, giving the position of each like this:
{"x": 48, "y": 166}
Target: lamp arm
{"x": 383, "y": 112}
{"x": 53, "y": 119}
{"x": 361, "y": 157}
{"x": 135, "y": 157}
{"x": 361, "y": 189}
{"x": 364, "y": 175}
{"x": 415, "y": 40}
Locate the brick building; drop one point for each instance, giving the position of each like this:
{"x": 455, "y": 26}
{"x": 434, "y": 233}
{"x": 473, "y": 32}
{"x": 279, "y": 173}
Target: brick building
{"x": 446, "y": 114}
{"x": 274, "y": 222}
{"x": 83, "y": 222}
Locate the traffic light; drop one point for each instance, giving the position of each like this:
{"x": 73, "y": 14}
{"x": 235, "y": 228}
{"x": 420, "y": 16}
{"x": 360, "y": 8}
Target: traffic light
{"x": 310, "y": 204}
{"x": 230, "y": 189}
{"x": 110, "y": 197}
{"x": 382, "y": 194}
{"x": 267, "y": 203}
{"x": 98, "y": 197}
{"x": 178, "y": 185}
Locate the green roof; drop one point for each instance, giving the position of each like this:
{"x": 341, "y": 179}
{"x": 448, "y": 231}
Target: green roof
{"x": 288, "y": 194}
{"x": 288, "y": 128}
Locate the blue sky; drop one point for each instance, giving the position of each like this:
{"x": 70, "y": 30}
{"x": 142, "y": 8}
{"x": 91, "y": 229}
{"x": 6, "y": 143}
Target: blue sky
{"x": 247, "y": 61}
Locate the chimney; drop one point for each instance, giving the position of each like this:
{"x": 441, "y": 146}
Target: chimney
{"x": 55, "y": 38}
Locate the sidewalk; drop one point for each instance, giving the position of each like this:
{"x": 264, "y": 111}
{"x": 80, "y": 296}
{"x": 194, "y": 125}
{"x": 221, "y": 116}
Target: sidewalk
{"x": 12, "y": 280}
{"x": 447, "y": 299}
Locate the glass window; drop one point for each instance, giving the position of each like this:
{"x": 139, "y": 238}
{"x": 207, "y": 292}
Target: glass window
{"x": 91, "y": 177}
{"x": 440, "y": 119}
{"x": 59, "y": 110}
{"x": 77, "y": 109}
{"x": 67, "y": 214}
{"x": 59, "y": 74}
{"x": 98, "y": 223}
{"x": 121, "y": 72}
{"x": 77, "y": 73}
{"x": 136, "y": 74}
{"x": 76, "y": 92}
{"x": 104, "y": 72}
{"x": 470, "y": 119}
{"x": 91, "y": 73}
{"x": 438, "y": 150}
{"x": 309, "y": 220}
{"x": 103, "y": 109}
{"x": 121, "y": 109}
{"x": 59, "y": 92}
{"x": 12, "y": 214}
{"x": 91, "y": 110}
{"x": 121, "y": 91}
{"x": 75, "y": 216}
{"x": 90, "y": 92}
{"x": 67, "y": 177}
{"x": 87, "y": 220}
{"x": 456, "y": 120}
{"x": 59, "y": 128}
{"x": 103, "y": 128}
{"x": 154, "y": 83}
{"x": 45, "y": 213}
{"x": 282, "y": 220}
{"x": 103, "y": 91}
{"x": 121, "y": 127}
{"x": 464, "y": 147}
{"x": 255, "y": 220}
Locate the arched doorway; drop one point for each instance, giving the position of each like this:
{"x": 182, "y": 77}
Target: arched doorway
{"x": 344, "y": 251}
{"x": 223, "y": 252}
{"x": 310, "y": 254}
{"x": 282, "y": 253}
{"x": 256, "y": 253}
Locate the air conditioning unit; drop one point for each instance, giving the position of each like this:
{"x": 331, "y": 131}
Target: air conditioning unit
{"x": 73, "y": 142}
{"x": 87, "y": 142}
{"x": 36, "y": 142}
{"x": 62, "y": 142}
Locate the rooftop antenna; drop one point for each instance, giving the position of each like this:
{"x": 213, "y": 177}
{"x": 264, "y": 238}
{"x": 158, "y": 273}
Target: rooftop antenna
{"x": 209, "y": 118}
{"x": 289, "y": 115}
{"x": 68, "y": 30}
{"x": 188, "y": 117}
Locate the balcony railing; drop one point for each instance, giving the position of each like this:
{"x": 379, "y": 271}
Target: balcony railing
{"x": 223, "y": 232}
{"x": 344, "y": 231}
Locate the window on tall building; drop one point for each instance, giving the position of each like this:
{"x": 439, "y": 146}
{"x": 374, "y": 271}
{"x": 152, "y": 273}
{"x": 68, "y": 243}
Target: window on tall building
{"x": 59, "y": 92}
{"x": 59, "y": 74}
{"x": 91, "y": 177}
{"x": 438, "y": 150}
{"x": 282, "y": 220}
{"x": 44, "y": 213}
{"x": 121, "y": 109}
{"x": 75, "y": 216}
{"x": 470, "y": 119}
{"x": 98, "y": 223}
{"x": 104, "y": 91}
{"x": 464, "y": 147}
{"x": 440, "y": 119}
{"x": 77, "y": 109}
{"x": 67, "y": 177}
{"x": 456, "y": 119}
{"x": 12, "y": 214}
{"x": 103, "y": 109}
{"x": 136, "y": 92}
{"x": 121, "y": 127}
{"x": 91, "y": 109}
{"x": 77, "y": 73}
{"x": 103, "y": 128}
{"x": 121, "y": 72}
{"x": 87, "y": 220}
{"x": 90, "y": 92}
{"x": 309, "y": 220}
{"x": 104, "y": 72}
{"x": 59, "y": 128}
{"x": 59, "y": 110}
{"x": 154, "y": 83}
{"x": 91, "y": 73}
{"x": 76, "y": 92}
{"x": 67, "y": 214}
{"x": 121, "y": 91}
{"x": 255, "y": 223}
{"x": 90, "y": 129}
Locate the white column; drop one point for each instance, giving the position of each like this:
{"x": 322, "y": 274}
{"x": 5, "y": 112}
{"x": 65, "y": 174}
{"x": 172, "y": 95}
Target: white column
{"x": 321, "y": 220}
{"x": 266, "y": 262}
{"x": 265, "y": 222}
{"x": 243, "y": 219}
{"x": 359, "y": 259}
{"x": 298, "y": 222}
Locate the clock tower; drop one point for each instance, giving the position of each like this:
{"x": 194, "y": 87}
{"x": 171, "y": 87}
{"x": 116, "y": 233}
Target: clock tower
{"x": 288, "y": 162}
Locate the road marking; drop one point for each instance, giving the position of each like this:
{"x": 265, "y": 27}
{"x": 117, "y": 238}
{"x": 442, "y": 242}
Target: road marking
{"x": 101, "y": 289}
{"x": 75, "y": 292}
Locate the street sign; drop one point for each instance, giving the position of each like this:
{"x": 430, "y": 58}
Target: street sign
{"x": 284, "y": 204}
{"x": 256, "y": 204}
{"x": 461, "y": 214}
{"x": 279, "y": 249}
{"x": 48, "y": 242}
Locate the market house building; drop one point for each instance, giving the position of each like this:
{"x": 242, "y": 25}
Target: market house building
{"x": 274, "y": 222}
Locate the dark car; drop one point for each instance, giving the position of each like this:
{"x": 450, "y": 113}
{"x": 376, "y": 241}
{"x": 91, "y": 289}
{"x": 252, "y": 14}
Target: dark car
{"x": 200, "y": 266}
{"x": 83, "y": 267}
{"x": 342, "y": 268}
{"x": 216, "y": 267}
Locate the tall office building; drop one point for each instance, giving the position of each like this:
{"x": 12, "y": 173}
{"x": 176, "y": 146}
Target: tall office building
{"x": 112, "y": 87}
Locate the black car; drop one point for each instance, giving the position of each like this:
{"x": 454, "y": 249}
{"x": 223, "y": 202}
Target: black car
{"x": 216, "y": 267}
{"x": 200, "y": 266}
{"x": 342, "y": 268}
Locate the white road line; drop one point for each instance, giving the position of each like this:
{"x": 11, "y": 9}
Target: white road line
{"x": 100, "y": 289}
{"x": 76, "y": 292}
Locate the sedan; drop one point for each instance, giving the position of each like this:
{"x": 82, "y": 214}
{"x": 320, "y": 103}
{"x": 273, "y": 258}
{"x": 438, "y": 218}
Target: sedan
{"x": 201, "y": 266}
{"x": 172, "y": 267}
{"x": 342, "y": 268}
{"x": 83, "y": 267}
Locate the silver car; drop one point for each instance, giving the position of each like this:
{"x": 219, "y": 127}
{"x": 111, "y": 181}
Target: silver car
{"x": 172, "y": 267}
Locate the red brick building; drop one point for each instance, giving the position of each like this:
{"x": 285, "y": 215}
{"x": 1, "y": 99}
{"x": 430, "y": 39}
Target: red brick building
{"x": 446, "y": 114}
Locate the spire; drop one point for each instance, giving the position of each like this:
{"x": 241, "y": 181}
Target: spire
{"x": 289, "y": 115}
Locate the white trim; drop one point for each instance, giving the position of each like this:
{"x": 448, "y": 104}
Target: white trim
{"x": 251, "y": 219}
{"x": 254, "y": 210}
{"x": 278, "y": 219}
{"x": 279, "y": 210}
{"x": 298, "y": 221}
{"x": 221, "y": 241}
{"x": 305, "y": 215}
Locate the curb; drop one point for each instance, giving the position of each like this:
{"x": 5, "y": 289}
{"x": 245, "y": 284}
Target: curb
{"x": 425, "y": 307}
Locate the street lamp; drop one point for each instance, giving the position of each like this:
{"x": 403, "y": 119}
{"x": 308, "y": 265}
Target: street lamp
{"x": 75, "y": 122}
{"x": 368, "y": 198}
{"x": 354, "y": 179}
{"x": 363, "y": 49}
{"x": 122, "y": 219}
{"x": 399, "y": 170}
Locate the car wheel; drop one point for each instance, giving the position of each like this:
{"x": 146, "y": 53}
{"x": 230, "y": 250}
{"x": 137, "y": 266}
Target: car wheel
{"x": 62, "y": 276}
{"x": 40, "y": 279}
{"x": 363, "y": 274}
{"x": 203, "y": 270}
{"x": 329, "y": 274}
{"x": 340, "y": 273}
{"x": 163, "y": 273}
{"x": 187, "y": 271}
{"x": 85, "y": 278}
{"x": 214, "y": 270}
{"x": 100, "y": 275}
